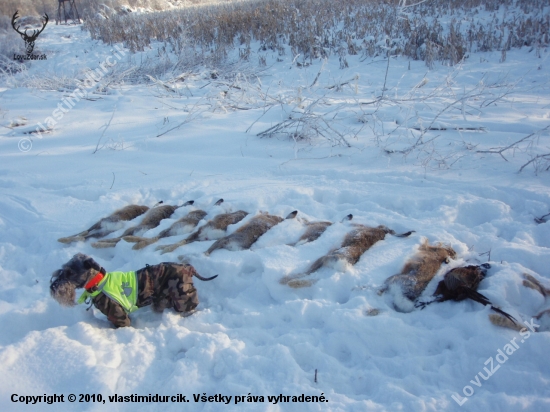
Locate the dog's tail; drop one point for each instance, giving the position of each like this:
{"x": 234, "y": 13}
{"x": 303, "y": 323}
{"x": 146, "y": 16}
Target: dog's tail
{"x": 203, "y": 278}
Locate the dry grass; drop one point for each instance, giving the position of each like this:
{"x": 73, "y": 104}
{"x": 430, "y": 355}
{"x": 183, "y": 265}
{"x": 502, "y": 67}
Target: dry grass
{"x": 438, "y": 30}
{"x": 206, "y": 31}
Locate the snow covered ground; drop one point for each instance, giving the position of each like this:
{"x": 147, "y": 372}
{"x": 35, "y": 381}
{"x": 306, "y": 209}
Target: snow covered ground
{"x": 252, "y": 335}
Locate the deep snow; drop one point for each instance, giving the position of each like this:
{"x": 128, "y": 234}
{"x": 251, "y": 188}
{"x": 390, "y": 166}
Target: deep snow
{"x": 253, "y": 335}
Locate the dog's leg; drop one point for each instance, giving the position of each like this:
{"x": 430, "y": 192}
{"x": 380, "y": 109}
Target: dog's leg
{"x": 179, "y": 282}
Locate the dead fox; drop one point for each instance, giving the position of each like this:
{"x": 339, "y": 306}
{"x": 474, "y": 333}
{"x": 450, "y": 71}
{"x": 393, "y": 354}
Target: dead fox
{"x": 245, "y": 236}
{"x": 184, "y": 225}
{"x": 213, "y": 229}
{"x": 151, "y": 220}
{"x": 356, "y": 242}
{"x": 407, "y": 286}
{"x": 108, "y": 224}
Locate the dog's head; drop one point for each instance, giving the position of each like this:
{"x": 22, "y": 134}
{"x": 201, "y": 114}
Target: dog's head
{"x": 73, "y": 275}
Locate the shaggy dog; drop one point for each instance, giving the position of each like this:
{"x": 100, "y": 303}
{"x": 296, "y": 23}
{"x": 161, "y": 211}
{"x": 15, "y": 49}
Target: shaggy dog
{"x": 116, "y": 294}
{"x": 462, "y": 283}
{"x": 356, "y": 242}
{"x": 407, "y": 286}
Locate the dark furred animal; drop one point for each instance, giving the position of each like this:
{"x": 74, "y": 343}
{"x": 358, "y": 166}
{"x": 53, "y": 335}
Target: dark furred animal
{"x": 164, "y": 285}
{"x": 314, "y": 230}
{"x": 416, "y": 275}
{"x": 184, "y": 225}
{"x": 108, "y": 224}
{"x": 245, "y": 236}
{"x": 462, "y": 283}
{"x": 151, "y": 220}
{"x": 356, "y": 242}
{"x": 213, "y": 229}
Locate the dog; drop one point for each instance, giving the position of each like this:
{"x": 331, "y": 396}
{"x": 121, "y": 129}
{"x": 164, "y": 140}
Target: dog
{"x": 151, "y": 220}
{"x": 213, "y": 229}
{"x": 117, "y": 294}
{"x": 462, "y": 283}
{"x": 108, "y": 224}
{"x": 356, "y": 242}
{"x": 314, "y": 230}
{"x": 407, "y": 286}
{"x": 245, "y": 236}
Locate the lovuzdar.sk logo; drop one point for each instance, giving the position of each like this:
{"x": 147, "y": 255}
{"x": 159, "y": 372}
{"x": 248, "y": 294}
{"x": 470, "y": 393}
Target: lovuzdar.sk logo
{"x": 29, "y": 39}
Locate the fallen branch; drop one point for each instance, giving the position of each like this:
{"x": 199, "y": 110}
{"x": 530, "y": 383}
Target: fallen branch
{"x": 515, "y": 144}
{"x": 534, "y": 159}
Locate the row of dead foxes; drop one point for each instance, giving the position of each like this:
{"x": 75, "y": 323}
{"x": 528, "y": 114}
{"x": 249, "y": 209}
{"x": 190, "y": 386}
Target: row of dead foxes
{"x": 406, "y": 288}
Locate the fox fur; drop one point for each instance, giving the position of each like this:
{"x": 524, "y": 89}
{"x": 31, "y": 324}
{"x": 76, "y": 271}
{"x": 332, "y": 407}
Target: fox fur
{"x": 542, "y": 318}
{"x": 151, "y": 220}
{"x": 245, "y": 236}
{"x": 407, "y": 286}
{"x": 184, "y": 225}
{"x": 213, "y": 229}
{"x": 314, "y": 230}
{"x": 356, "y": 242}
{"x": 108, "y": 224}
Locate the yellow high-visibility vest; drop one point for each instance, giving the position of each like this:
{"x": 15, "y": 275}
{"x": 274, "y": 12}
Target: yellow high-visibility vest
{"x": 119, "y": 286}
